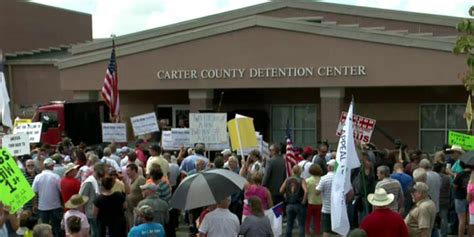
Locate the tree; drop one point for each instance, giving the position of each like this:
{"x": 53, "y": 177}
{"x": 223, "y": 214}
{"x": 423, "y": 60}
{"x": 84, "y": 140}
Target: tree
{"x": 465, "y": 45}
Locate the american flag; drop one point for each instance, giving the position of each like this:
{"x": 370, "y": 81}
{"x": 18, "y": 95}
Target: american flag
{"x": 290, "y": 158}
{"x": 110, "y": 92}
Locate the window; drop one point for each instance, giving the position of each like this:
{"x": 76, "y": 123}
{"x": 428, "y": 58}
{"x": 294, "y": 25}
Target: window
{"x": 49, "y": 120}
{"x": 302, "y": 119}
{"x": 435, "y": 122}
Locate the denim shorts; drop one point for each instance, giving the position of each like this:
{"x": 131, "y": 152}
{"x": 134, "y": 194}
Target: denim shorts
{"x": 460, "y": 206}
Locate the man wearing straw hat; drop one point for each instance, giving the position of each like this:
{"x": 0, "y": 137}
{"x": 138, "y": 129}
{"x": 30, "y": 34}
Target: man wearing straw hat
{"x": 75, "y": 204}
{"x": 383, "y": 221}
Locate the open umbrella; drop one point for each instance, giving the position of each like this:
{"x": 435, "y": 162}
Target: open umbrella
{"x": 206, "y": 188}
{"x": 468, "y": 158}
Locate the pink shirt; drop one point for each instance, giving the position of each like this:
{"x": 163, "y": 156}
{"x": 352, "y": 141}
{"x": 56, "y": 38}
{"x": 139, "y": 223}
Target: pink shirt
{"x": 260, "y": 192}
{"x": 470, "y": 191}
{"x": 140, "y": 155}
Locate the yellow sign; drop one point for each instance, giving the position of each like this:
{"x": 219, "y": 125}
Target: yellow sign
{"x": 20, "y": 121}
{"x": 241, "y": 130}
{"x": 15, "y": 191}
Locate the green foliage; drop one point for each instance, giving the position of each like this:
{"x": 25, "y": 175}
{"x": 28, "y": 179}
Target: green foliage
{"x": 465, "y": 45}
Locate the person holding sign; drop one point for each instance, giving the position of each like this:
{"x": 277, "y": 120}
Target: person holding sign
{"x": 47, "y": 187}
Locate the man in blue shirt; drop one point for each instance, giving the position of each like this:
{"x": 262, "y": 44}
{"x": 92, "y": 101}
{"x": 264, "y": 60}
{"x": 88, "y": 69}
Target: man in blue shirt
{"x": 189, "y": 163}
{"x": 406, "y": 181}
{"x": 147, "y": 228}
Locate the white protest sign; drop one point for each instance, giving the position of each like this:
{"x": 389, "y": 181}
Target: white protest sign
{"x": 33, "y": 130}
{"x": 167, "y": 141}
{"x": 114, "y": 132}
{"x": 181, "y": 137}
{"x": 264, "y": 149}
{"x": 208, "y": 127}
{"x": 363, "y": 127}
{"x": 219, "y": 146}
{"x": 145, "y": 123}
{"x": 18, "y": 144}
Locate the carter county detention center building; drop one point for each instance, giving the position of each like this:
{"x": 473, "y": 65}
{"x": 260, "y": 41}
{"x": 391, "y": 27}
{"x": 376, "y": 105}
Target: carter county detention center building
{"x": 275, "y": 62}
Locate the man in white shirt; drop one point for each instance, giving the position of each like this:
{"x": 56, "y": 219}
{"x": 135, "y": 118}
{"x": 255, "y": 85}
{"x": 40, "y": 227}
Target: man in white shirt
{"x": 324, "y": 188}
{"x": 307, "y": 162}
{"x": 47, "y": 186}
{"x": 220, "y": 222}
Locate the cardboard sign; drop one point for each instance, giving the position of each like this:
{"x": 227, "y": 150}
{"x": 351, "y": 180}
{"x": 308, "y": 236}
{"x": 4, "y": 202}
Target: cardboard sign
{"x": 181, "y": 137}
{"x": 17, "y": 144}
{"x": 363, "y": 127}
{"x": 32, "y": 129}
{"x": 208, "y": 127}
{"x": 20, "y": 121}
{"x": 145, "y": 123}
{"x": 241, "y": 129}
{"x": 464, "y": 140}
{"x": 15, "y": 191}
{"x": 167, "y": 142}
{"x": 114, "y": 132}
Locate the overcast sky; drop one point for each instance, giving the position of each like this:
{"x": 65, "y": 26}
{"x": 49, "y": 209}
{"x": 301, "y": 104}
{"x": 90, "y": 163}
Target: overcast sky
{"x": 127, "y": 16}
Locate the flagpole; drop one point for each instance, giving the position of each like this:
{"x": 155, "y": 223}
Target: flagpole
{"x": 238, "y": 137}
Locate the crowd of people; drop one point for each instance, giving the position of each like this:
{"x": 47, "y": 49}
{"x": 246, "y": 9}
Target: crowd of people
{"x": 109, "y": 191}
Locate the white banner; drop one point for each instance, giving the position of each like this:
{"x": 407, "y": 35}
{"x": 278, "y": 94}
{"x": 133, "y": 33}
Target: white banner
{"x": 114, "y": 132}
{"x": 167, "y": 142}
{"x": 18, "y": 144}
{"x": 208, "y": 127}
{"x": 177, "y": 137}
{"x": 145, "y": 123}
{"x": 33, "y": 130}
{"x": 363, "y": 127}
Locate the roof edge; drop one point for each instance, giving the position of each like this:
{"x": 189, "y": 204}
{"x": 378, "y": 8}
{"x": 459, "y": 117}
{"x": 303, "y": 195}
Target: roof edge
{"x": 263, "y": 21}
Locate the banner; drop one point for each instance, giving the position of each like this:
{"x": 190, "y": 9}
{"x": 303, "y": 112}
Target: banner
{"x": 464, "y": 140}
{"x": 363, "y": 127}
{"x": 144, "y": 124}
{"x": 114, "y": 132}
{"x": 32, "y": 129}
{"x": 177, "y": 137}
{"x": 17, "y": 144}
{"x": 19, "y": 121}
{"x": 208, "y": 127}
{"x": 181, "y": 137}
{"x": 15, "y": 190}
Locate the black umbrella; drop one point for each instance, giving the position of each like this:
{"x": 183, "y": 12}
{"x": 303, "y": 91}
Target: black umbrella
{"x": 206, "y": 188}
{"x": 468, "y": 158}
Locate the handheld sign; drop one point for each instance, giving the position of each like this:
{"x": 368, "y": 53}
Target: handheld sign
{"x": 464, "y": 140}
{"x": 20, "y": 121}
{"x": 208, "y": 127}
{"x": 242, "y": 133}
{"x": 18, "y": 144}
{"x": 181, "y": 137}
{"x": 32, "y": 129}
{"x": 167, "y": 142}
{"x": 15, "y": 190}
{"x": 145, "y": 123}
{"x": 114, "y": 132}
{"x": 363, "y": 127}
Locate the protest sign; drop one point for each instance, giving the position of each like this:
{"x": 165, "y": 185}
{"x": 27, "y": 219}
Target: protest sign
{"x": 181, "y": 137}
{"x": 15, "y": 190}
{"x": 363, "y": 127}
{"x": 145, "y": 123}
{"x": 17, "y": 144}
{"x": 114, "y": 132}
{"x": 20, "y": 121}
{"x": 464, "y": 140}
{"x": 167, "y": 142}
{"x": 208, "y": 127}
{"x": 32, "y": 129}
{"x": 242, "y": 133}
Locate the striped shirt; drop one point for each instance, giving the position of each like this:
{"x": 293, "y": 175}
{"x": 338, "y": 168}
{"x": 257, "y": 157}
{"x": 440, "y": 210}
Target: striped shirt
{"x": 325, "y": 187}
{"x": 391, "y": 186}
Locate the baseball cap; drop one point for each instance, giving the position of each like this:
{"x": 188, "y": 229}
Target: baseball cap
{"x": 124, "y": 149}
{"x": 146, "y": 211}
{"x": 48, "y": 162}
{"x": 331, "y": 162}
{"x": 308, "y": 150}
{"x": 226, "y": 152}
{"x": 150, "y": 186}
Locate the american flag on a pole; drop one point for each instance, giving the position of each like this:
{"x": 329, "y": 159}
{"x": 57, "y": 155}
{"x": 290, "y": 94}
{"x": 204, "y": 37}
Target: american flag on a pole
{"x": 290, "y": 158}
{"x": 110, "y": 92}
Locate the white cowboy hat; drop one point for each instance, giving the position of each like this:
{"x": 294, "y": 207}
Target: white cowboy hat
{"x": 380, "y": 198}
{"x": 457, "y": 148}
{"x": 76, "y": 201}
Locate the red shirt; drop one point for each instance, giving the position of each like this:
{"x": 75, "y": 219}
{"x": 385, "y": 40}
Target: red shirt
{"x": 384, "y": 222}
{"x": 140, "y": 156}
{"x": 69, "y": 187}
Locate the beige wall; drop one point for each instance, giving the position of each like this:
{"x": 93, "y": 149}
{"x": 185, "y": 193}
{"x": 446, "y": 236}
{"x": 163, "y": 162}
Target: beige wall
{"x": 386, "y": 65}
{"x": 27, "y": 26}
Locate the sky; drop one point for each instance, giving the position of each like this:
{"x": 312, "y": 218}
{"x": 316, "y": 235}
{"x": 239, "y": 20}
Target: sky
{"x": 121, "y": 17}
